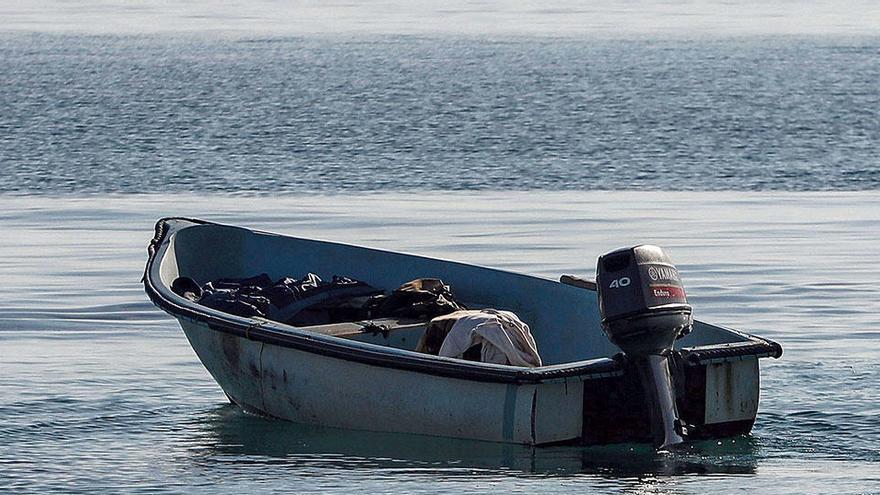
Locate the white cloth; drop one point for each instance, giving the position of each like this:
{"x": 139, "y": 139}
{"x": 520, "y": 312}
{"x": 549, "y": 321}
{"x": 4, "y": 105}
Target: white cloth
{"x": 504, "y": 337}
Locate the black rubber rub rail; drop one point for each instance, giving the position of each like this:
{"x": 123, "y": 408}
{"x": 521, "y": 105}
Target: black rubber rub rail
{"x": 757, "y": 347}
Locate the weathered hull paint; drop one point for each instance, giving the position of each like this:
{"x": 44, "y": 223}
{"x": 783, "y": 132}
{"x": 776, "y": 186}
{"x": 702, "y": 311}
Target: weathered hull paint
{"x": 732, "y": 391}
{"x": 721, "y": 399}
{"x": 312, "y": 389}
{"x": 714, "y": 400}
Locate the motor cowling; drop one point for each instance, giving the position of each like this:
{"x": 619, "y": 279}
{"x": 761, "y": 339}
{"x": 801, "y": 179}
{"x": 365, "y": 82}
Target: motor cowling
{"x": 642, "y": 301}
{"x": 644, "y": 309}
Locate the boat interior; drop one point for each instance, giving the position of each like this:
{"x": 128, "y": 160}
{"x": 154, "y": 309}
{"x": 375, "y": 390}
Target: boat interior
{"x": 564, "y": 318}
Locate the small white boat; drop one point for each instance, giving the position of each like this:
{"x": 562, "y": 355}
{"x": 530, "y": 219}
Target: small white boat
{"x": 344, "y": 375}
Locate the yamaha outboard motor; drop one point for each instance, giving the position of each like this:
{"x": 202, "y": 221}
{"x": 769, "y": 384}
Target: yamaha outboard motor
{"x": 644, "y": 309}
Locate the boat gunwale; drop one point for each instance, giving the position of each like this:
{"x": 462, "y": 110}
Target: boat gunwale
{"x": 279, "y": 334}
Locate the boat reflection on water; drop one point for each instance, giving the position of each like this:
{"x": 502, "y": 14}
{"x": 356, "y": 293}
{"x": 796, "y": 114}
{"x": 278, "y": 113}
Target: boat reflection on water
{"x": 232, "y": 435}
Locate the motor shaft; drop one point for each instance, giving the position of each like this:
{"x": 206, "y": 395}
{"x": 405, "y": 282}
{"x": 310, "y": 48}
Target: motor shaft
{"x": 657, "y": 381}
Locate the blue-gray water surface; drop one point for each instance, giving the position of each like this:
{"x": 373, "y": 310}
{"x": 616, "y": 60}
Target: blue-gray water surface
{"x": 101, "y": 392}
{"x": 753, "y": 160}
{"x": 264, "y": 115}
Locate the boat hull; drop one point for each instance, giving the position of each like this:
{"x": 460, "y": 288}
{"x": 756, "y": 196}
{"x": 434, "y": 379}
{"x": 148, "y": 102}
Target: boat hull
{"x": 307, "y": 388}
{"x": 717, "y": 399}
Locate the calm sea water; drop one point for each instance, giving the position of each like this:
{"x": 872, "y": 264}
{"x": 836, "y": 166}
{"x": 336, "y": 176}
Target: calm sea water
{"x": 101, "y": 391}
{"x": 295, "y": 114}
{"x": 753, "y": 160}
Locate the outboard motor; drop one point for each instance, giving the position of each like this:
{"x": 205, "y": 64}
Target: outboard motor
{"x": 644, "y": 309}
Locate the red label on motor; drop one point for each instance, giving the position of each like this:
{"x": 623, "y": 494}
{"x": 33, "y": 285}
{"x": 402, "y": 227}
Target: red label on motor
{"x": 667, "y": 292}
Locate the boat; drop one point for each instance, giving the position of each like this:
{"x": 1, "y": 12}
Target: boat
{"x": 347, "y": 375}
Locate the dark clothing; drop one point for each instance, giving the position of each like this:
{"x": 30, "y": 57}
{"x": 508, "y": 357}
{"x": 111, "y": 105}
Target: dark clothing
{"x": 312, "y": 301}
{"x": 235, "y": 301}
{"x": 242, "y": 297}
{"x": 260, "y": 281}
{"x": 421, "y": 299}
{"x": 290, "y": 296}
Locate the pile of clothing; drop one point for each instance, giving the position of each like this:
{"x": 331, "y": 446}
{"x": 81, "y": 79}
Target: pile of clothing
{"x": 312, "y": 301}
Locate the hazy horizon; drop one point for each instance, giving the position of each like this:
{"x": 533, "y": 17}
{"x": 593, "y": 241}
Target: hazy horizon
{"x": 557, "y": 18}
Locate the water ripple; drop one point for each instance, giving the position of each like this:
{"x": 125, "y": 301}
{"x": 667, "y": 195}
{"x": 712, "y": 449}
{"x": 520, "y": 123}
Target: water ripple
{"x": 101, "y": 392}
